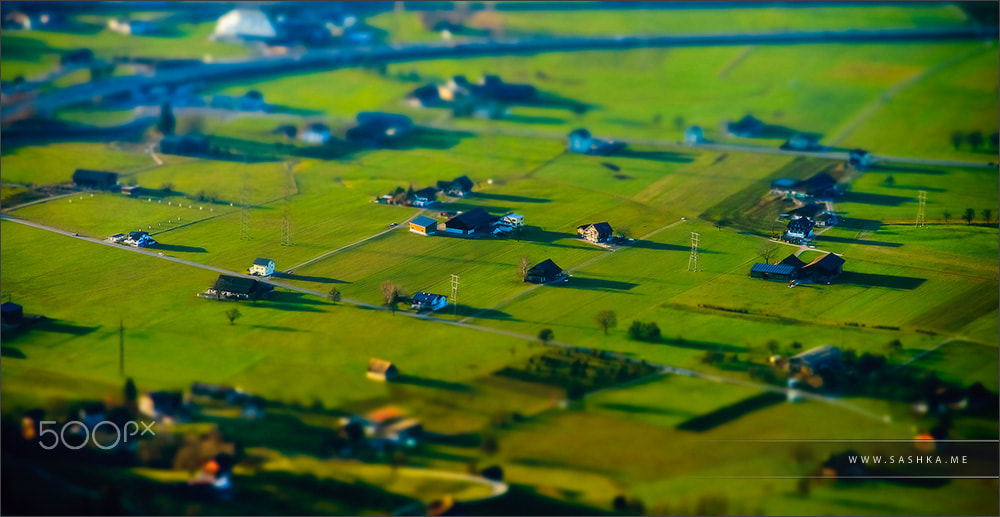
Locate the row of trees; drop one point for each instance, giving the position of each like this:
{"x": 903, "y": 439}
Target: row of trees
{"x": 970, "y": 215}
{"x": 974, "y": 139}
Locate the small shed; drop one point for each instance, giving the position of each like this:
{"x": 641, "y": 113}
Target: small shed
{"x": 381, "y": 370}
{"x": 775, "y": 272}
{"x": 423, "y": 225}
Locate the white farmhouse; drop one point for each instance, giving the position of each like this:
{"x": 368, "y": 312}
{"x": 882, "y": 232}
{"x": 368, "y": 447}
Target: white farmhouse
{"x": 262, "y": 267}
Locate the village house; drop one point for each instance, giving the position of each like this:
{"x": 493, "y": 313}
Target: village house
{"x": 164, "y": 406}
{"x": 100, "y": 180}
{"x": 423, "y": 225}
{"x": 424, "y": 197}
{"x": 512, "y": 220}
{"x": 380, "y": 370}
{"x": 375, "y": 128}
{"x": 458, "y": 187}
{"x": 316, "y": 133}
{"x": 580, "y": 141}
{"x": 229, "y": 287}
{"x": 802, "y": 142}
{"x": 244, "y": 24}
{"x": 469, "y": 222}
{"x": 139, "y": 240}
{"x": 428, "y": 301}
{"x": 799, "y": 230}
{"x": 596, "y": 232}
{"x": 793, "y": 269}
{"x": 747, "y": 127}
{"x": 815, "y": 360}
{"x": 694, "y": 135}
{"x": 262, "y": 267}
{"x": 544, "y": 272}
{"x": 823, "y": 269}
{"x": 214, "y": 391}
{"x": 816, "y": 212}
{"x": 773, "y": 272}
{"x": 860, "y": 159}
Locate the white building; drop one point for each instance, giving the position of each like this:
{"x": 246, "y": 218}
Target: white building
{"x": 262, "y": 267}
{"x": 513, "y": 220}
{"x": 316, "y": 134}
{"x": 244, "y": 23}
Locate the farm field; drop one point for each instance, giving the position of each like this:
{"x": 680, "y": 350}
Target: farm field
{"x": 650, "y": 380}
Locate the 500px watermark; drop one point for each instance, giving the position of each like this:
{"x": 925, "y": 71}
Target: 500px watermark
{"x": 49, "y": 438}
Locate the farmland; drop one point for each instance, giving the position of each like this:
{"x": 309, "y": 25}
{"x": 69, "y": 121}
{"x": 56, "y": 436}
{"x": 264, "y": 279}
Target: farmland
{"x": 693, "y": 420}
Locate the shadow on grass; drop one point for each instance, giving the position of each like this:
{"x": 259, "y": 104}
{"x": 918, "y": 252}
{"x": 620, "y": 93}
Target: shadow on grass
{"x": 414, "y": 380}
{"x": 846, "y": 240}
{"x": 524, "y": 500}
{"x": 659, "y": 156}
{"x": 179, "y": 248}
{"x": 279, "y": 329}
{"x": 915, "y": 187}
{"x": 13, "y": 353}
{"x": 467, "y": 440}
{"x": 875, "y": 199}
{"x": 868, "y": 225}
{"x": 704, "y": 345}
{"x": 633, "y": 408}
{"x": 465, "y": 311}
{"x": 304, "y": 278}
{"x": 48, "y": 325}
{"x": 873, "y": 280}
{"x": 659, "y": 246}
{"x": 596, "y": 284}
{"x": 903, "y": 169}
{"x": 296, "y": 298}
{"x": 509, "y": 198}
{"x": 731, "y": 412}
{"x": 529, "y": 119}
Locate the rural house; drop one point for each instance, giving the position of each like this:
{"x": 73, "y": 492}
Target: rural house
{"x": 582, "y": 142}
{"x": 428, "y": 301}
{"x": 799, "y": 230}
{"x": 469, "y": 222}
{"x": 802, "y": 142}
{"x": 458, "y": 187}
{"x": 820, "y": 185}
{"x": 816, "y": 212}
{"x": 380, "y": 370}
{"x": 139, "y": 240}
{"x": 823, "y": 269}
{"x": 596, "y": 232}
{"x": 375, "y": 128}
{"x": 694, "y": 135}
{"x": 747, "y": 127}
{"x": 316, "y": 133}
{"x": 11, "y": 313}
{"x": 423, "y": 225}
{"x": 262, "y": 267}
{"x": 815, "y": 360}
{"x": 512, "y": 220}
{"x": 167, "y": 406}
{"x": 774, "y": 272}
{"x": 544, "y": 272}
{"x": 424, "y": 197}
{"x": 860, "y": 159}
{"x": 229, "y": 287}
{"x": 102, "y": 180}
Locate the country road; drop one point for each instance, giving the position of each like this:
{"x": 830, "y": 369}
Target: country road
{"x": 664, "y": 368}
{"x": 316, "y": 60}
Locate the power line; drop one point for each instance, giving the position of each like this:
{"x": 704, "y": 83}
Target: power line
{"x": 693, "y": 259}
{"x": 922, "y": 204}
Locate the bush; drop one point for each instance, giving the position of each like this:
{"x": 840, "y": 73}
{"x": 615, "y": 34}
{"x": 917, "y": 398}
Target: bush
{"x": 644, "y": 331}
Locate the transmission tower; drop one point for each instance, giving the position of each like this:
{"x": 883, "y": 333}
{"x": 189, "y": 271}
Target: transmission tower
{"x": 286, "y": 216}
{"x": 693, "y": 260}
{"x": 245, "y": 231}
{"x": 454, "y": 292}
{"x": 921, "y": 217}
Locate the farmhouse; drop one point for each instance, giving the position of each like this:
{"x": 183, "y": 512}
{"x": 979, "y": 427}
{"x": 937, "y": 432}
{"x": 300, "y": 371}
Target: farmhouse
{"x": 815, "y": 360}
{"x": 747, "y": 127}
{"x": 512, "y": 220}
{"x": 424, "y": 97}
{"x": 694, "y": 135}
{"x": 774, "y": 272}
{"x": 167, "y": 406}
{"x": 244, "y": 24}
{"x": 139, "y": 240}
{"x": 820, "y": 185}
{"x": 596, "y": 232}
{"x": 469, "y": 222}
{"x": 11, "y": 313}
{"x": 380, "y": 370}
{"x": 802, "y": 142}
{"x": 423, "y": 225}
{"x": 133, "y": 27}
{"x": 229, "y": 287}
{"x": 262, "y": 267}
{"x": 823, "y": 269}
{"x": 458, "y": 187}
{"x": 424, "y": 197}
{"x": 375, "y": 128}
{"x": 799, "y": 230}
{"x": 860, "y": 159}
{"x": 316, "y": 133}
{"x": 428, "y": 301}
{"x": 544, "y": 272}
{"x": 582, "y": 142}
{"x": 86, "y": 178}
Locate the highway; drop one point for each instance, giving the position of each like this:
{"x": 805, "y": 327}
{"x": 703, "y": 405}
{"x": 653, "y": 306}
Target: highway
{"x": 325, "y": 59}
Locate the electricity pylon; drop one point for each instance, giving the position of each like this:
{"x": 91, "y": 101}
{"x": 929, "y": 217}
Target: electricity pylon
{"x": 693, "y": 260}
{"x": 921, "y": 206}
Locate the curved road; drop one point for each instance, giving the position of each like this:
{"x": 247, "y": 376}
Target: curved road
{"x": 339, "y": 58}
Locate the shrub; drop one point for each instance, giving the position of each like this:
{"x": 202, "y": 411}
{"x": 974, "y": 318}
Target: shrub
{"x": 644, "y": 331}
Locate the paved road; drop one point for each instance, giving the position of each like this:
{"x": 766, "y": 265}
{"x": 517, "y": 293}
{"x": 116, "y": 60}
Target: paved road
{"x": 664, "y": 368}
{"x": 340, "y": 58}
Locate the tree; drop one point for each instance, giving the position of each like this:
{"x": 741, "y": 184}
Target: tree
{"x": 956, "y": 139}
{"x": 969, "y": 215}
{"x": 546, "y": 335}
{"x": 606, "y": 319}
{"x": 166, "y": 122}
{"x": 679, "y": 122}
{"x": 333, "y": 295}
{"x": 721, "y": 223}
{"x": 894, "y": 347}
{"x": 489, "y": 444}
{"x": 766, "y": 251}
{"x": 889, "y": 180}
{"x": 975, "y": 139}
{"x": 391, "y": 294}
{"x": 947, "y": 215}
{"x": 644, "y": 331}
{"x": 167, "y": 187}
{"x": 130, "y": 392}
{"x": 995, "y": 140}
{"x": 523, "y": 266}
{"x": 625, "y": 232}
{"x": 987, "y": 215}
{"x": 232, "y": 315}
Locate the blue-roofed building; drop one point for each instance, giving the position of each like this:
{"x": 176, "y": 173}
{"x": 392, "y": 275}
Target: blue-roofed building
{"x": 423, "y": 225}
{"x": 775, "y": 272}
{"x": 428, "y": 301}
